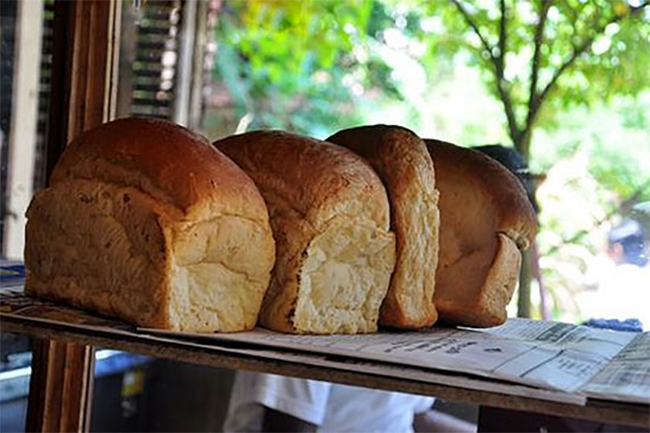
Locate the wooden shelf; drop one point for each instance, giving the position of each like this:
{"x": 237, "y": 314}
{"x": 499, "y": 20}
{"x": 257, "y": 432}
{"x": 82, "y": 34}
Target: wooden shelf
{"x": 180, "y": 349}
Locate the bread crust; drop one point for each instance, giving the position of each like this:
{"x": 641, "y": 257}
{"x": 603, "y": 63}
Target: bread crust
{"x": 313, "y": 190}
{"x": 166, "y": 161}
{"x": 403, "y": 163}
{"x": 77, "y": 236}
{"x": 486, "y": 219}
{"x": 146, "y": 221}
{"x": 515, "y": 215}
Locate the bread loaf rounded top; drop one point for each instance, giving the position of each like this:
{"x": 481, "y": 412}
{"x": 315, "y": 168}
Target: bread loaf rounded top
{"x": 319, "y": 180}
{"x": 166, "y": 161}
{"x": 391, "y": 145}
{"x": 514, "y": 214}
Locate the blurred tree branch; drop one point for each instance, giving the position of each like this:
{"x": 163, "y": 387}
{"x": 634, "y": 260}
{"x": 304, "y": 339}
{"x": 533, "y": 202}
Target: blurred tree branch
{"x": 587, "y": 25}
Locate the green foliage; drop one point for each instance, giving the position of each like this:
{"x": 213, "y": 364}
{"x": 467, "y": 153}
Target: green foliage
{"x": 617, "y": 62}
{"x": 312, "y": 66}
{"x": 283, "y": 44}
{"x": 290, "y": 64}
{"x": 302, "y": 64}
{"x": 615, "y": 59}
{"x": 621, "y": 171}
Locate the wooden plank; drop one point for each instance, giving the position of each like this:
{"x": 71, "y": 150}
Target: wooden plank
{"x": 196, "y": 96}
{"x": 618, "y": 413}
{"x": 112, "y": 61}
{"x": 84, "y": 64}
{"x": 148, "y": 60}
{"x": 153, "y": 46}
{"x": 147, "y": 38}
{"x": 61, "y": 52}
{"x": 150, "y": 88}
{"x": 59, "y": 393}
{"x": 126, "y": 61}
{"x": 85, "y": 50}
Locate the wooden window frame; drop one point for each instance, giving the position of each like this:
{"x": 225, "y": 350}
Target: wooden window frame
{"x": 84, "y": 93}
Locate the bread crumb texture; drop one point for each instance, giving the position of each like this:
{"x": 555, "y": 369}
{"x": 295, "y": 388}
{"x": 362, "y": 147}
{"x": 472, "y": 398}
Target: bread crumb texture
{"x": 403, "y": 163}
{"x": 330, "y": 218}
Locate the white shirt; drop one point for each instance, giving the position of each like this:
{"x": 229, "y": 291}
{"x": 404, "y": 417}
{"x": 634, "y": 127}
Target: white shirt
{"x": 332, "y": 407}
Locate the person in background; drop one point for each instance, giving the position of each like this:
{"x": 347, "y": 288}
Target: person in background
{"x": 270, "y": 403}
{"x": 626, "y": 244}
{"x": 623, "y": 290}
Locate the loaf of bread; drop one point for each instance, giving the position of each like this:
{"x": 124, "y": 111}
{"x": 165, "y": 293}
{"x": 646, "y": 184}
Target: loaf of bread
{"x": 486, "y": 219}
{"x": 330, "y": 217}
{"x": 148, "y": 222}
{"x": 402, "y": 161}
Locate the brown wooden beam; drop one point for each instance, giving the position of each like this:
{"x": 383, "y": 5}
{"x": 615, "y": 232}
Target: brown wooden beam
{"x": 60, "y": 388}
{"x": 184, "y": 350}
{"x": 59, "y": 95}
{"x": 84, "y": 66}
{"x": 85, "y": 50}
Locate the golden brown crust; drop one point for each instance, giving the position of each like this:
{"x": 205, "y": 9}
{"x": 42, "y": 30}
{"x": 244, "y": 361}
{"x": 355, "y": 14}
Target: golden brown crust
{"x": 313, "y": 190}
{"x": 85, "y": 245}
{"x": 515, "y": 213}
{"x": 402, "y": 161}
{"x": 148, "y": 222}
{"x": 485, "y": 219}
{"x": 316, "y": 178}
{"x": 166, "y": 161}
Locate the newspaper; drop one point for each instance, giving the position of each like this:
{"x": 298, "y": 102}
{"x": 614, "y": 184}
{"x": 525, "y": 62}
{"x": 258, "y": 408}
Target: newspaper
{"x": 548, "y": 355}
{"x": 14, "y": 303}
{"x": 627, "y": 376}
{"x": 394, "y": 371}
{"x": 548, "y": 360}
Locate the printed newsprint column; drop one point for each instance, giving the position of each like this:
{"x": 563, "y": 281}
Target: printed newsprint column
{"x": 627, "y": 376}
{"x": 580, "y": 348}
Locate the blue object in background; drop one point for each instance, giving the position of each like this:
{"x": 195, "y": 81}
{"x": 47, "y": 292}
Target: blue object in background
{"x": 628, "y": 325}
{"x": 109, "y": 362}
{"x": 12, "y": 274}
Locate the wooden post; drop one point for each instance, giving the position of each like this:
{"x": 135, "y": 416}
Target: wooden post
{"x": 129, "y": 32}
{"x": 525, "y": 280}
{"x": 84, "y": 70}
{"x": 60, "y": 388}
{"x": 84, "y": 90}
